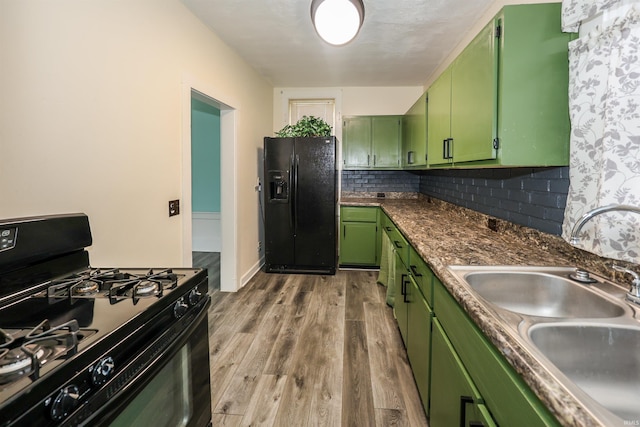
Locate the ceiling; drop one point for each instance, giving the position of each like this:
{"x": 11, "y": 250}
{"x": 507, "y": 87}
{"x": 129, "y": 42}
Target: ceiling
{"x": 401, "y": 42}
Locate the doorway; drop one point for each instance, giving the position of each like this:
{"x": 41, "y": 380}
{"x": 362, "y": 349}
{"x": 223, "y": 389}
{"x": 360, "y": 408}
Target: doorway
{"x": 205, "y": 188}
{"x": 225, "y": 266}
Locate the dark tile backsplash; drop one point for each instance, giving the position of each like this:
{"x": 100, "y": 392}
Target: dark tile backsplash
{"x": 534, "y": 197}
{"x": 380, "y": 181}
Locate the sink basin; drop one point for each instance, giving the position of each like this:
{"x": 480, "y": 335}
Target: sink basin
{"x": 537, "y": 293}
{"x": 602, "y": 360}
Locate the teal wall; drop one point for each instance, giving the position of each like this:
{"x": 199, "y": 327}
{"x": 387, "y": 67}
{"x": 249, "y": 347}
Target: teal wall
{"x": 205, "y": 157}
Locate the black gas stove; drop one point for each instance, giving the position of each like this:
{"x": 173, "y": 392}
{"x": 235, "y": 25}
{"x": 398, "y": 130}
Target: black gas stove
{"x": 82, "y": 345}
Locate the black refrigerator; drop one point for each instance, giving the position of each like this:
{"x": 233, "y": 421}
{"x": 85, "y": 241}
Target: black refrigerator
{"x": 300, "y": 202}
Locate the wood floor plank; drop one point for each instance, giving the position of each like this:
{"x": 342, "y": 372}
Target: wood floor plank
{"x": 384, "y": 374}
{"x": 223, "y": 420}
{"x": 265, "y": 401}
{"x": 326, "y": 405}
{"x": 314, "y": 353}
{"x": 357, "y": 408}
{"x": 391, "y": 418}
{"x": 285, "y": 344}
{"x": 224, "y": 364}
{"x": 332, "y": 289}
{"x": 242, "y": 386}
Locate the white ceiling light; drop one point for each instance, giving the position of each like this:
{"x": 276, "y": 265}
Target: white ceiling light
{"x": 337, "y": 21}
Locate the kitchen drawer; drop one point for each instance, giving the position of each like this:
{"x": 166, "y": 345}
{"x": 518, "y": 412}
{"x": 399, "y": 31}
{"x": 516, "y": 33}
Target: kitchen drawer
{"x": 359, "y": 214}
{"x": 422, "y": 274}
{"x": 401, "y": 245}
{"x": 507, "y": 396}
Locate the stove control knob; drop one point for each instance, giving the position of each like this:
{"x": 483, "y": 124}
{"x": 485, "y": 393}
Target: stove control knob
{"x": 194, "y": 296}
{"x": 180, "y": 308}
{"x": 102, "y": 371}
{"x": 64, "y": 402}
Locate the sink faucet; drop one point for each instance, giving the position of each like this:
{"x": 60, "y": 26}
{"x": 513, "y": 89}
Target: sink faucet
{"x": 634, "y": 293}
{"x": 597, "y": 211}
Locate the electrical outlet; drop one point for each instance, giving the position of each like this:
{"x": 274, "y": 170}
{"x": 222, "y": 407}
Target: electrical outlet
{"x": 174, "y": 207}
{"x": 259, "y": 245}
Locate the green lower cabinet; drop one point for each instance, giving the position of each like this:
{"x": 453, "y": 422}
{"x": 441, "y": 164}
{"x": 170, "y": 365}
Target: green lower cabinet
{"x": 358, "y": 243}
{"x": 359, "y": 236}
{"x": 401, "y": 304}
{"x": 504, "y": 392}
{"x": 419, "y": 316}
{"x": 455, "y": 401}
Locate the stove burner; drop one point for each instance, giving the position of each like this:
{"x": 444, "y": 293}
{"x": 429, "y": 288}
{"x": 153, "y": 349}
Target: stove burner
{"x": 42, "y": 344}
{"x": 146, "y": 287}
{"x": 17, "y": 361}
{"x": 87, "y": 287}
{"x": 114, "y": 284}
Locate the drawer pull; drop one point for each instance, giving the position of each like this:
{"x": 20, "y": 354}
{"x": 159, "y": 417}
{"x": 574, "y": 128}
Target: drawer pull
{"x": 398, "y": 245}
{"x": 414, "y": 270}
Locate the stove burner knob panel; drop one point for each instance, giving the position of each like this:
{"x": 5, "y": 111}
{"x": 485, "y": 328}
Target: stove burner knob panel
{"x": 102, "y": 371}
{"x": 194, "y": 296}
{"x": 64, "y": 402}
{"x": 180, "y": 308}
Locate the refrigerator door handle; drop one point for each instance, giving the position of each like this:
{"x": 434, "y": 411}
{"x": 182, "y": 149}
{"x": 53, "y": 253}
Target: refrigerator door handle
{"x": 295, "y": 183}
{"x": 291, "y": 195}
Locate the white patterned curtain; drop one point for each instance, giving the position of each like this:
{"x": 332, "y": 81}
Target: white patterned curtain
{"x": 604, "y": 104}
{"x": 576, "y": 11}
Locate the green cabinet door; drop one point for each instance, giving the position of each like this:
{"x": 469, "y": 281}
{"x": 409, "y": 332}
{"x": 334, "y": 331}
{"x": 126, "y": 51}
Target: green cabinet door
{"x": 385, "y": 141}
{"x": 439, "y": 119}
{"x": 504, "y": 100}
{"x": 401, "y": 305}
{"x": 358, "y": 245}
{"x": 419, "y": 340}
{"x": 414, "y": 141}
{"x": 474, "y": 98}
{"x": 533, "y": 110}
{"x": 455, "y": 401}
{"x": 356, "y": 142}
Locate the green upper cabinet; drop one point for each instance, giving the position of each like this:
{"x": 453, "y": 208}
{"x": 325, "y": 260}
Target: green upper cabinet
{"x": 371, "y": 142}
{"x": 356, "y": 142}
{"x": 507, "y": 97}
{"x": 414, "y": 135}
{"x": 474, "y": 98}
{"x": 439, "y": 116}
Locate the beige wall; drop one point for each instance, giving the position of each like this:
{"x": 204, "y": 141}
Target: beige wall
{"x": 90, "y": 120}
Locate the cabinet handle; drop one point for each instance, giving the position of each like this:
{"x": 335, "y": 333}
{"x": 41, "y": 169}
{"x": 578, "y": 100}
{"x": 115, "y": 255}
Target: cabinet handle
{"x": 398, "y": 245}
{"x": 464, "y": 400}
{"x": 388, "y": 228}
{"x": 374, "y": 160}
{"x": 404, "y": 288}
{"x": 368, "y": 159}
{"x": 414, "y": 270}
{"x": 447, "y": 152}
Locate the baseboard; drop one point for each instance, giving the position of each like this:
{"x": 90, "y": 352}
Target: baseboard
{"x": 252, "y": 272}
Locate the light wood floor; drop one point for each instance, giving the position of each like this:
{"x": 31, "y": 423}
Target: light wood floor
{"x": 309, "y": 350}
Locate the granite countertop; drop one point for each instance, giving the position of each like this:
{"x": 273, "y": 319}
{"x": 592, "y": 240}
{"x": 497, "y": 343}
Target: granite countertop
{"x": 444, "y": 234}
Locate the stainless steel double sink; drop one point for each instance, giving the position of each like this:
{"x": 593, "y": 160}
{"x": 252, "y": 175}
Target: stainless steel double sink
{"x": 585, "y": 334}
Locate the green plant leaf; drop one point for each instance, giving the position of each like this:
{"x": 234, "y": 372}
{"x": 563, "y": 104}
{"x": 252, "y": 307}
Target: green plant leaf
{"x": 307, "y": 126}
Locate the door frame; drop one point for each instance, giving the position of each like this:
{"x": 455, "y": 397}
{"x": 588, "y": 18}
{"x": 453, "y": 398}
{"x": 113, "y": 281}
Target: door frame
{"x": 228, "y": 199}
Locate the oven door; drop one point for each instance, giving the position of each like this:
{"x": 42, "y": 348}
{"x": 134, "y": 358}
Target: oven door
{"x": 173, "y": 390}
